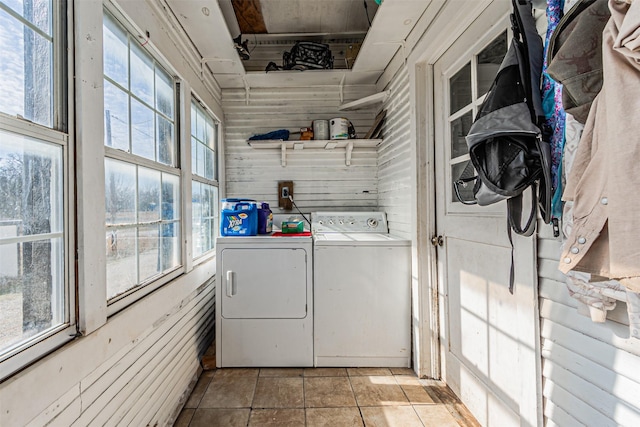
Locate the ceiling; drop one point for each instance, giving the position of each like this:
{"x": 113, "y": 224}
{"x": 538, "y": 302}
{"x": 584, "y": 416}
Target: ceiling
{"x": 271, "y": 27}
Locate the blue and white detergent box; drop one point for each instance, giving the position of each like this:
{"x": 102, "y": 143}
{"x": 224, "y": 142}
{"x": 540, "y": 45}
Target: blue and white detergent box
{"x": 239, "y": 217}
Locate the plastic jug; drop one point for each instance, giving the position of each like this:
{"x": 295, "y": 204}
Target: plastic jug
{"x": 238, "y": 217}
{"x": 265, "y": 218}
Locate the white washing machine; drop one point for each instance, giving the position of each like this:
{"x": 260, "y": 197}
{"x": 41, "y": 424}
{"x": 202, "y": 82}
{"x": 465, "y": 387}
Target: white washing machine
{"x": 264, "y": 301}
{"x": 362, "y": 296}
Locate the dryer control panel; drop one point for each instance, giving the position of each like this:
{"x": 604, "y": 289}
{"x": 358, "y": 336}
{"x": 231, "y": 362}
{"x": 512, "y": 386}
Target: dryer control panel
{"x": 349, "y": 222}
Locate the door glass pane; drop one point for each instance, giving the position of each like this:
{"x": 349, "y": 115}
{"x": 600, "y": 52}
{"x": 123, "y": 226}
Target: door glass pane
{"x": 460, "y": 89}
{"x": 489, "y": 60}
{"x": 459, "y": 130}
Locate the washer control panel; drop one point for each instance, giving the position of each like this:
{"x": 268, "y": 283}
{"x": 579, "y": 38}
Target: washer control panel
{"x": 349, "y": 222}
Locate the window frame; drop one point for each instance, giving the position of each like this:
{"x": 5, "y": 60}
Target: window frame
{"x": 62, "y": 104}
{"x": 145, "y": 287}
{"x": 470, "y": 57}
{"x": 215, "y": 182}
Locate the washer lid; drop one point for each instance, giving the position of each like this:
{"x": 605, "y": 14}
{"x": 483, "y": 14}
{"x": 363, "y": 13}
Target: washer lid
{"x": 358, "y": 239}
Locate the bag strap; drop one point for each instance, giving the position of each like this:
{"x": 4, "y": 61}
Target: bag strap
{"x": 514, "y": 213}
{"x": 463, "y": 182}
{"x": 524, "y": 28}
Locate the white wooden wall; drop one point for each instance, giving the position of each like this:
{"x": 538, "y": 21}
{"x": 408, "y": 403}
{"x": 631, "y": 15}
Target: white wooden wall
{"x": 394, "y": 159}
{"x": 321, "y": 179}
{"x": 590, "y": 370}
{"x": 135, "y": 370}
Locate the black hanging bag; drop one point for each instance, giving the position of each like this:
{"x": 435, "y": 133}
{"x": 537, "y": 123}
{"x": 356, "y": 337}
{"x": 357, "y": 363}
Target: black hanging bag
{"x": 505, "y": 141}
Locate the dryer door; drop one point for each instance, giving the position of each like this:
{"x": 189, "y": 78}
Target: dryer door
{"x": 263, "y": 283}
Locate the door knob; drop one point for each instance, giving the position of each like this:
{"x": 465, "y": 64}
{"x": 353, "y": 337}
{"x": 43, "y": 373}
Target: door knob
{"x": 437, "y": 240}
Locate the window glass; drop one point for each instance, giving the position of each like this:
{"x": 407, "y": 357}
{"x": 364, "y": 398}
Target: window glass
{"x": 116, "y": 117}
{"x": 139, "y": 98}
{"x": 142, "y": 74}
{"x": 489, "y": 60}
{"x": 143, "y": 134}
{"x": 26, "y": 64}
{"x": 166, "y": 146}
{"x": 459, "y": 130}
{"x": 204, "y": 211}
{"x": 462, "y": 98}
{"x": 142, "y": 186}
{"x": 36, "y": 12}
{"x": 164, "y": 95}
{"x": 143, "y": 224}
{"x": 204, "y": 189}
{"x": 460, "y": 89}
{"x": 32, "y": 285}
{"x": 116, "y": 53}
{"x": 203, "y": 143}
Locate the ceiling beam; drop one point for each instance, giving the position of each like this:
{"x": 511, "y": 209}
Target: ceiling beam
{"x": 249, "y": 16}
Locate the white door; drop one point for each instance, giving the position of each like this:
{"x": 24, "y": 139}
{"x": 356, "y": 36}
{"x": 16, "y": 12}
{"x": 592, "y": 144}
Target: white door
{"x": 489, "y": 337}
{"x": 264, "y": 283}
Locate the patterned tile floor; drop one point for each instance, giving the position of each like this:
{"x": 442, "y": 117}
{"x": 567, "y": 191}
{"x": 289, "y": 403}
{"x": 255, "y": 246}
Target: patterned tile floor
{"x": 335, "y": 397}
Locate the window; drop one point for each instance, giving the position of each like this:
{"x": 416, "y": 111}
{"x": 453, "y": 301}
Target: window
{"x": 26, "y": 43}
{"x": 142, "y": 179}
{"x": 204, "y": 136}
{"x": 36, "y": 302}
{"x": 467, "y": 89}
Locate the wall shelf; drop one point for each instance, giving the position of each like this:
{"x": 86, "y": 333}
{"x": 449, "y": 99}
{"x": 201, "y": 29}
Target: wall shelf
{"x": 347, "y": 144}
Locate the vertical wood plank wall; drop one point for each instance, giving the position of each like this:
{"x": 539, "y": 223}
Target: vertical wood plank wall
{"x": 590, "y": 370}
{"x": 321, "y": 179}
{"x": 135, "y": 370}
{"x": 395, "y": 188}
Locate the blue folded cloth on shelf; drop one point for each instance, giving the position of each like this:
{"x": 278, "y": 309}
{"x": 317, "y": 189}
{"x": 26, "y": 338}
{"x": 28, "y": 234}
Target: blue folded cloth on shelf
{"x": 282, "y": 134}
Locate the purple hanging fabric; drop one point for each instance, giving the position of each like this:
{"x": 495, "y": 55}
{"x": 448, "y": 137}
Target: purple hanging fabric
{"x": 554, "y": 113}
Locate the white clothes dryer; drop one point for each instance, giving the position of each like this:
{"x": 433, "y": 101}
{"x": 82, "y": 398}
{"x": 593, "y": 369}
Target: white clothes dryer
{"x": 264, "y": 301}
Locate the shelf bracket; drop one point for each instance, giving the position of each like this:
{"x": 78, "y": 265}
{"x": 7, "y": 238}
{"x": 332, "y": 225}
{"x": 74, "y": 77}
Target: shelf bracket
{"x": 283, "y": 152}
{"x": 348, "y": 151}
{"x": 247, "y": 90}
{"x": 344, "y": 76}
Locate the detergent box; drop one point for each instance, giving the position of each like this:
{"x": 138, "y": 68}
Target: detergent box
{"x": 239, "y": 217}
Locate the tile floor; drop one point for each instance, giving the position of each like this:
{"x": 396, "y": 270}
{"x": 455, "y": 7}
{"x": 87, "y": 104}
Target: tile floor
{"x": 335, "y": 397}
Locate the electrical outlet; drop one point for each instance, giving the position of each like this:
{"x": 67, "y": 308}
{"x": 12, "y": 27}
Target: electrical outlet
{"x": 285, "y": 190}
